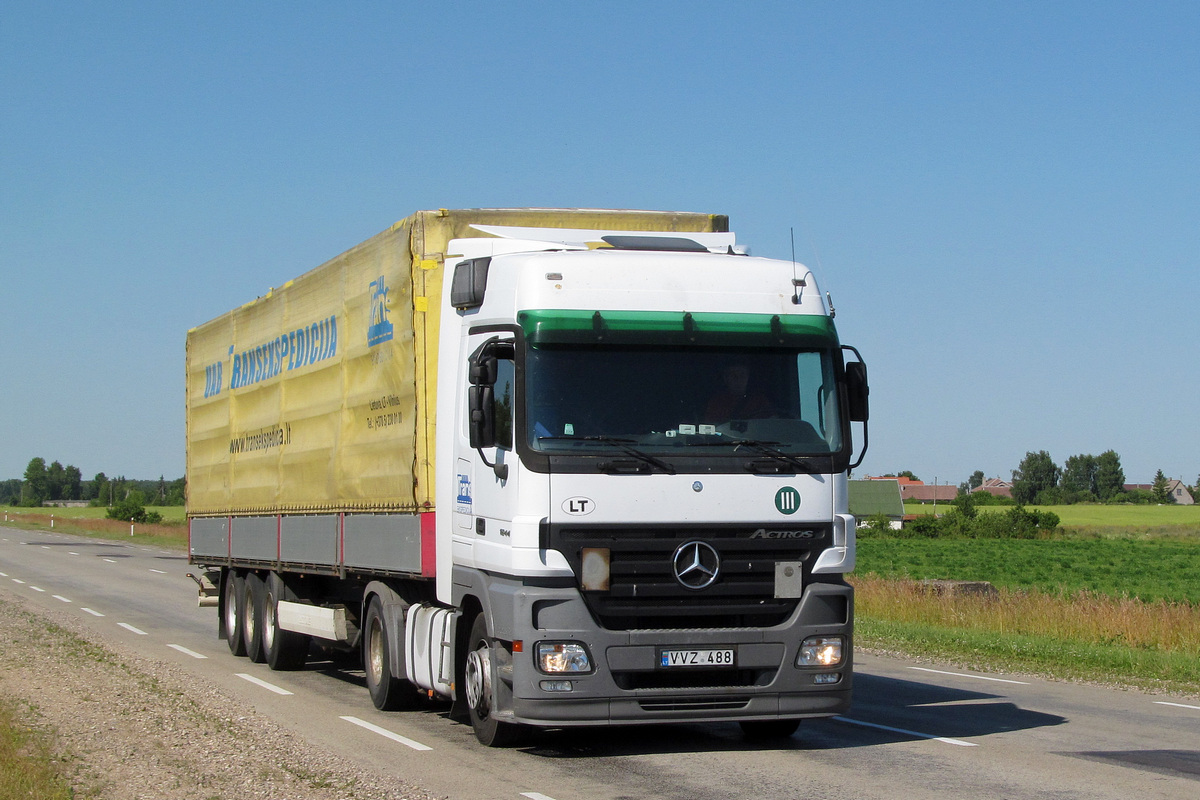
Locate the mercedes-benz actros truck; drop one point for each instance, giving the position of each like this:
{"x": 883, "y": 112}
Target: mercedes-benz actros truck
{"x": 563, "y": 467}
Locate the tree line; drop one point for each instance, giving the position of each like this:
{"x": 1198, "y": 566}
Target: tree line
{"x": 1082, "y": 478}
{"x": 54, "y": 482}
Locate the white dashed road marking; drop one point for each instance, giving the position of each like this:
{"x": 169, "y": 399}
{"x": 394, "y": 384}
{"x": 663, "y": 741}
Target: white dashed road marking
{"x": 395, "y": 737}
{"x": 944, "y": 739}
{"x": 965, "y": 675}
{"x": 259, "y": 682}
{"x": 186, "y": 652}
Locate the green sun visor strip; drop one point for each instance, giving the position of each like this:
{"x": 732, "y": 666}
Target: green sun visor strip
{"x": 680, "y": 328}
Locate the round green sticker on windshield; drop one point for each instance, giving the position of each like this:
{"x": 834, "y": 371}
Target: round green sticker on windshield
{"x": 787, "y": 500}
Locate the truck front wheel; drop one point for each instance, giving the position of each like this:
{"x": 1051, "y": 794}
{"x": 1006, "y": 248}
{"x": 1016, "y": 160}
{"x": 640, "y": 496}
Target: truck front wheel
{"x": 481, "y": 695}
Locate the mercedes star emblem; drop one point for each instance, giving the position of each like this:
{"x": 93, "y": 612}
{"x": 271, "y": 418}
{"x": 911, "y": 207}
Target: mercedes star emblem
{"x": 696, "y": 565}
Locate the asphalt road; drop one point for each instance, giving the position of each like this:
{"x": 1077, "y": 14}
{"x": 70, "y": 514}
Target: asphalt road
{"x": 916, "y": 730}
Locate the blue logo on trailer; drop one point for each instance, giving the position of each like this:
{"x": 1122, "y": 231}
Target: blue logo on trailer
{"x": 379, "y": 330}
{"x": 463, "y": 500}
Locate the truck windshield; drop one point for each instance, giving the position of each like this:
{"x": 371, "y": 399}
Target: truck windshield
{"x": 580, "y": 399}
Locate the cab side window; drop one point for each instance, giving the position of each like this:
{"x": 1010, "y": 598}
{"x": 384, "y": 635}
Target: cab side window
{"x": 504, "y": 402}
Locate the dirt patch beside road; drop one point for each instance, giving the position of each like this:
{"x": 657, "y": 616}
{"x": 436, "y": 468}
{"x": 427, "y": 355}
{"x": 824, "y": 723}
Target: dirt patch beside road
{"x": 129, "y": 727}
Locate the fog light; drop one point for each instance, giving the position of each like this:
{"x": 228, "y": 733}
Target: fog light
{"x": 827, "y": 677}
{"x": 820, "y": 651}
{"x": 555, "y": 686}
{"x": 563, "y": 657}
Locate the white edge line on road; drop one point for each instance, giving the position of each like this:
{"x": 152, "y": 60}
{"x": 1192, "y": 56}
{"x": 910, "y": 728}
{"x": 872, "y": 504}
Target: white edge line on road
{"x": 965, "y": 675}
{"x": 93, "y": 613}
{"x": 60, "y": 597}
{"x": 1176, "y": 705}
{"x": 944, "y": 739}
{"x": 536, "y": 796}
{"x": 186, "y": 652}
{"x": 395, "y": 737}
{"x": 259, "y": 682}
{"x": 129, "y": 627}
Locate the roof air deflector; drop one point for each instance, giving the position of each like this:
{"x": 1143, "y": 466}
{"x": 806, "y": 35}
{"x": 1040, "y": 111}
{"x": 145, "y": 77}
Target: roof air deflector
{"x": 676, "y": 244}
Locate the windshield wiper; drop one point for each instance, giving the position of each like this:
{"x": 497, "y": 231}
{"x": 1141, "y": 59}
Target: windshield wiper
{"x": 622, "y": 444}
{"x": 766, "y": 449}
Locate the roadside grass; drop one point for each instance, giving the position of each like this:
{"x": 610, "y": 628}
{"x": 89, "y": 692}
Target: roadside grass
{"x": 171, "y": 532}
{"x": 1116, "y": 602}
{"x": 1085, "y": 636}
{"x": 1148, "y": 568}
{"x": 28, "y": 768}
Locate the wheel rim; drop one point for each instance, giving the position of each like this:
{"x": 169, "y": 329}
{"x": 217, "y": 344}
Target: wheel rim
{"x": 479, "y": 680}
{"x": 374, "y": 652}
{"x": 248, "y": 622}
{"x": 230, "y": 611}
{"x": 269, "y": 622}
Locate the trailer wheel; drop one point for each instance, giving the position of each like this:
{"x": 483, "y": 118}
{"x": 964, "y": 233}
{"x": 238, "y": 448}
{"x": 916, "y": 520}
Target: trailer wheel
{"x": 769, "y": 728}
{"x": 284, "y": 649}
{"x": 481, "y": 694}
{"x": 388, "y": 692}
{"x": 252, "y": 617}
{"x": 233, "y": 612}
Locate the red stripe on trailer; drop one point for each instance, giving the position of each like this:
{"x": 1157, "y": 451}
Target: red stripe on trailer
{"x": 428, "y": 545}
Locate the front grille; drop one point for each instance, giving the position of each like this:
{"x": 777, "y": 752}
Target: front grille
{"x": 693, "y": 679}
{"x": 644, "y": 593}
{"x": 699, "y": 704}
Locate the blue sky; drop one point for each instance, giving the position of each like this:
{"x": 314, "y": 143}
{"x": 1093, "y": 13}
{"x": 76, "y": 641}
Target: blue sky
{"x": 1002, "y": 198}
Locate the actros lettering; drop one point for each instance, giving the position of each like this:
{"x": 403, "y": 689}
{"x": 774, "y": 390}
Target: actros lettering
{"x": 763, "y": 533}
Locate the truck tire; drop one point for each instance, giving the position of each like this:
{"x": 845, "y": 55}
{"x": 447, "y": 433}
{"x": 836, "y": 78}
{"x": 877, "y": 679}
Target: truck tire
{"x": 252, "y": 618}
{"x": 388, "y": 692}
{"x": 233, "y": 613}
{"x": 480, "y": 677}
{"x": 769, "y": 728}
{"x": 285, "y": 650}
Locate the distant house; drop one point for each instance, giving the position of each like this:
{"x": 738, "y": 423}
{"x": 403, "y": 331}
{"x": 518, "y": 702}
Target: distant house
{"x": 876, "y": 496}
{"x": 920, "y": 492}
{"x": 1180, "y": 492}
{"x": 1175, "y": 488}
{"x": 995, "y": 486}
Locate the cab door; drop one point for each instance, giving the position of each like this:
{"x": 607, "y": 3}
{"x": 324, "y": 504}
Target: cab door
{"x": 486, "y": 463}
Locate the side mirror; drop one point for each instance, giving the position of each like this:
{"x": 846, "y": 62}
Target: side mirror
{"x": 481, "y": 407}
{"x": 483, "y": 369}
{"x": 857, "y": 391}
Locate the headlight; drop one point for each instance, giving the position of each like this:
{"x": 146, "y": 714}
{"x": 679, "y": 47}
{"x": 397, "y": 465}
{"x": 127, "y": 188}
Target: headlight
{"x": 821, "y": 651}
{"x": 555, "y": 657}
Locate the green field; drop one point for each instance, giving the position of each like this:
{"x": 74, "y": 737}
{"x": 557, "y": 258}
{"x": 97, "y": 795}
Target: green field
{"x": 1148, "y": 569}
{"x": 169, "y": 513}
{"x": 1112, "y": 596}
{"x": 1094, "y": 515}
